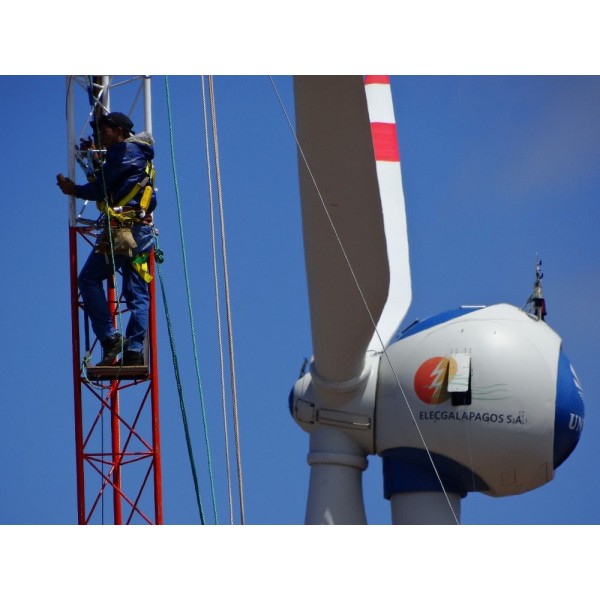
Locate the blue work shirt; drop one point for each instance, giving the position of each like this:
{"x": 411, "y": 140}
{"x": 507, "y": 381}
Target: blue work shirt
{"x": 124, "y": 167}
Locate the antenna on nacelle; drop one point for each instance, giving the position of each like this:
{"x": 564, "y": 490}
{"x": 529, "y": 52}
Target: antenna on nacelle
{"x": 355, "y": 400}
{"x": 536, "y": 302}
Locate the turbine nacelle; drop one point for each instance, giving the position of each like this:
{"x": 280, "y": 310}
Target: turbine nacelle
{"x": 496, "y": 401}
{"x": 474, "y": 399}
{"x": 478, "y": 399}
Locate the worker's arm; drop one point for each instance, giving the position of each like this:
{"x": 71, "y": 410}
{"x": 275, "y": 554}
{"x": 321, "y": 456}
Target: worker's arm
{"x": 105, "y": 176}
{"x": 121, "y": 171}
{"x": 89, "y": 191}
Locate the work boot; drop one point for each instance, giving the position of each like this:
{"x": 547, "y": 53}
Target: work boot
{"x": 111, "y": 348}
{"x": 131, "y": 358}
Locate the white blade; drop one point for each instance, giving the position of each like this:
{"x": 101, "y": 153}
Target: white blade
{"x": 389, "y": 175}
{"x": 340, "y": 183}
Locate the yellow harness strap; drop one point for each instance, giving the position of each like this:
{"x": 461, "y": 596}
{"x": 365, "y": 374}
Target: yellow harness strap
{"x": 147, "y": 184}
{"x": 150, "y": 174}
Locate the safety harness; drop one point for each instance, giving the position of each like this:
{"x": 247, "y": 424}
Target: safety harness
{"x": 122, "y": 219}
{"x": 116, "y": 210}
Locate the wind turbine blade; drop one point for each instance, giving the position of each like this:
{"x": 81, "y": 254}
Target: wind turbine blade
{"x": 343, "y": 225}
{"x": 389, "y": 176}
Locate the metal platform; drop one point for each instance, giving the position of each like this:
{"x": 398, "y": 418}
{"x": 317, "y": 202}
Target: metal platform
{"x": 117, "y": 372}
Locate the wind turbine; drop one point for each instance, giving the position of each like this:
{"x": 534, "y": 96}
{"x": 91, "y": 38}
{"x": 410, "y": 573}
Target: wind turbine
{"x": 474, "y": 399}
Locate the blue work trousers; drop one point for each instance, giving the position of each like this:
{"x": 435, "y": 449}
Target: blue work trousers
{"x": 97, "y": 269}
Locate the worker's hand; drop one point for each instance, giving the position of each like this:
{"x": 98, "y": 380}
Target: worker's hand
{"x": 86, "y": 144}
{"x": 65, "y": 184}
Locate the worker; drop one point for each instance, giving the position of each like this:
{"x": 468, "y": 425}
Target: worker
{"x": 124, "y": 192}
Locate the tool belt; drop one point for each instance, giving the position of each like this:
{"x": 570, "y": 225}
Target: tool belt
{"x": 120, "y": 217}
{"x": 122, "y": 240}
{"x": 124, "y": 243}
{"x": 120, "y": 231}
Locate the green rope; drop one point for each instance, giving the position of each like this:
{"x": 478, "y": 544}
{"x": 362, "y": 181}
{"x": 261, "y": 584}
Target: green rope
{"x": 118, "y": 316}
{"x": 189, "y": 301}
{"x": 159, "y": 259}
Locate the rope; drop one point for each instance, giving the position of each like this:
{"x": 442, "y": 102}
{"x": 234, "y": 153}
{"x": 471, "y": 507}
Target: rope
{"x": 189, "y": 300}
{"x": 111, "y": 392}
{"x": 227, "y": 301}
{"x": 95, "y": 101}
{"x": 217, "y": 307}
{"x": 358, "y": 287}
{"x": 158, "y": 254}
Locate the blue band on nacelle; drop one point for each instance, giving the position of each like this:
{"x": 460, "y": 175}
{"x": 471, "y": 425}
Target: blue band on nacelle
{"x": 568, "y": 420}
{"x": 429, "y": 322}
{"x": 410, "y": 470}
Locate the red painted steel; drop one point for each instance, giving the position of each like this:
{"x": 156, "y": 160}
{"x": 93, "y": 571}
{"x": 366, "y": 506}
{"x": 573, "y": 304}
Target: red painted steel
{"x": 131, "y": 466}
{"x": 153, "y": 360}
{"x": 76, "y": 376}
{"x": 113, "y": 394}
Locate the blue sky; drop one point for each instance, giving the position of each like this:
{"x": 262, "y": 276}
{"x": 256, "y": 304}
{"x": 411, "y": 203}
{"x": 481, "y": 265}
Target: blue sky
{"x": 495, "y": 171}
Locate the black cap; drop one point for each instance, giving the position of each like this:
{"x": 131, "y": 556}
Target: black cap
{"x": 117, "y": 119}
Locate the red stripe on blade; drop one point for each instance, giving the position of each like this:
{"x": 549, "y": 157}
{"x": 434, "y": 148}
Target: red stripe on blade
{"x": 385, "y": 142}
{"x": 377, "y": 79}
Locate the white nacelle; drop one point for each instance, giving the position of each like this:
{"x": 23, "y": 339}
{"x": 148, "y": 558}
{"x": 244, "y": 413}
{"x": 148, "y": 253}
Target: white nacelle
{"x": 496, "y": 402}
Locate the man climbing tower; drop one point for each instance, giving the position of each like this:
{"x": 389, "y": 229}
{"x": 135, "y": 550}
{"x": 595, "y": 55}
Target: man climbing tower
{"x": 123, "y": 188}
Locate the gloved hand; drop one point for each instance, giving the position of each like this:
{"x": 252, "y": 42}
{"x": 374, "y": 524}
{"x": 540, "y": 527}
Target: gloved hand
{"x": 86, "y": 144}
{"x": 65, "y": 184}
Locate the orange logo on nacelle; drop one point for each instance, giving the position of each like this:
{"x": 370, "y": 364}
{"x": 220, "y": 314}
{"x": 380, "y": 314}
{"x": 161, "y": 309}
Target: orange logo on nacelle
{"x": 431, "y": 379}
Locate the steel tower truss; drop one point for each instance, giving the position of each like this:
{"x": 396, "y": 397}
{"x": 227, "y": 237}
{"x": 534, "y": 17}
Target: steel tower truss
{"x": 117, "y": 436}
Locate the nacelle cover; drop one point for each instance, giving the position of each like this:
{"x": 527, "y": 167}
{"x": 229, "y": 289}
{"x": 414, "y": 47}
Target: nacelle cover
{"x": 484, "y": 387}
